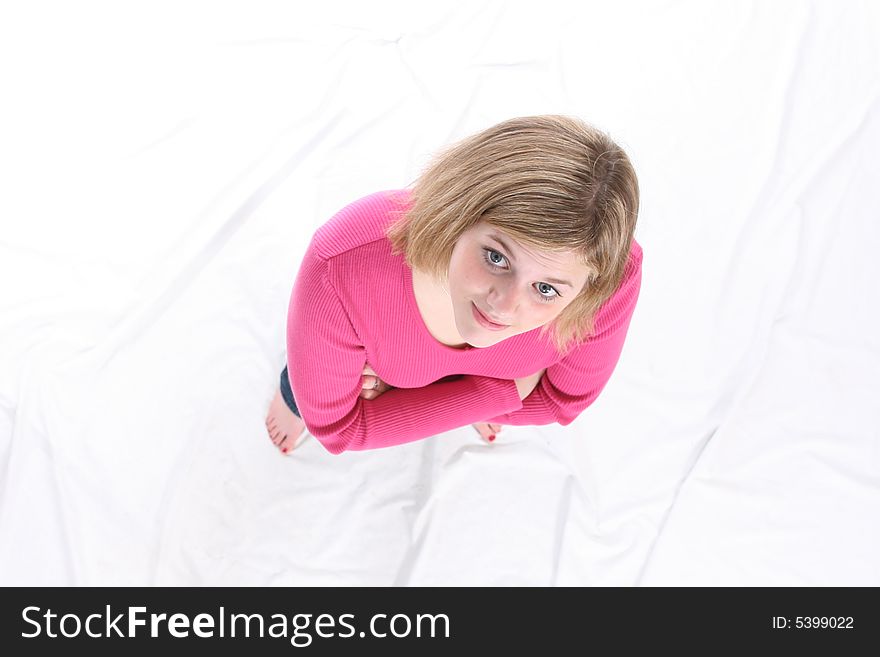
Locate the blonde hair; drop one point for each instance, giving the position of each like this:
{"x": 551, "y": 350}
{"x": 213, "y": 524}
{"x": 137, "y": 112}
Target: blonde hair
{"x": 552, "y": 182}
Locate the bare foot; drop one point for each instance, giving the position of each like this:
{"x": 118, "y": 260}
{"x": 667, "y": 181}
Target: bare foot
{"x": 285, "y": 428}
{"x": 487, "y": 431}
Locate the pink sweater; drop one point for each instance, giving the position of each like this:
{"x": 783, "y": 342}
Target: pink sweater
{"x": 353, "y": 303}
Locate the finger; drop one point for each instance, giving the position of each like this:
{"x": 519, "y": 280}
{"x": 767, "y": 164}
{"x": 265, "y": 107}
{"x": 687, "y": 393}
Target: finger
{"x": 368, "y": 382}
{"x": 368, "y": 370}
{"x": 495, "y": 428}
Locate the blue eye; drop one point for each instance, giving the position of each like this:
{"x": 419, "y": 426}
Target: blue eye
{"x": 492, "y": 265}
{"x": 489, "y": 253}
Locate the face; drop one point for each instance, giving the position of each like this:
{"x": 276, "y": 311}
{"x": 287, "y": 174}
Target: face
{"x": 514, "y": 286}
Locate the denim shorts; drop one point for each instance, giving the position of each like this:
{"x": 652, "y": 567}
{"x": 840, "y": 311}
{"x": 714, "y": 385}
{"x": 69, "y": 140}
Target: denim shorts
{"x": 287, "y": 393}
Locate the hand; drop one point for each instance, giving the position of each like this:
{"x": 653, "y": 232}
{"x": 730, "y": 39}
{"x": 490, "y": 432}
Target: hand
{"x": 526, "y": 384}
{"x": 368, "y": 382}
{"x": 487, "y": 431}
{"x": 524, "y": 387}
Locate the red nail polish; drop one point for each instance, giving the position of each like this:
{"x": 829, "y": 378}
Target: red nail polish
{"x": 284, "y": 449}
{"x": 492, "y": 437}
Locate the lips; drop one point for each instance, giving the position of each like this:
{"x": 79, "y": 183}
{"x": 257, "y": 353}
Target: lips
{"x": 490, "y": 319}
{"x": 487, "y": 318}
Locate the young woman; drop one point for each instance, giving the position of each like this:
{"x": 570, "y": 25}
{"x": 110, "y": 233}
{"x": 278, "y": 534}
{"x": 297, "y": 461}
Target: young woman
{"x": 497, "y": 290}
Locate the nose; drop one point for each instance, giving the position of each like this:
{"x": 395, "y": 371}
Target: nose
{"x": 502, "y": 304}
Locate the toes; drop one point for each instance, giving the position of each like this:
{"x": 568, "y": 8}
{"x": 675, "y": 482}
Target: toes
{"x": 487, "y": 431}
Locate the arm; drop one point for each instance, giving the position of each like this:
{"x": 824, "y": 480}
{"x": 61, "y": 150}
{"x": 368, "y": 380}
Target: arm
{"x": 373, "y": 386}
{"x": 525, "y": 385}
{"x": 573, "y": 383}
{"x": 326, "y": 360}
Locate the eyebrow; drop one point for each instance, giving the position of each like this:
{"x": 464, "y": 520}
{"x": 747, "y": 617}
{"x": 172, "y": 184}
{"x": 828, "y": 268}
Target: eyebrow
{"x": 498, "y": 239}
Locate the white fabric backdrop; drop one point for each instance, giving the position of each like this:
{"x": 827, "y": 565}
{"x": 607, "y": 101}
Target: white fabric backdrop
{"x": 164, "y": 165}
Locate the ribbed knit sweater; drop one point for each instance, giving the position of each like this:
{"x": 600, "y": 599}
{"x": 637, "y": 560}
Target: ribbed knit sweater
{"x": 353, "y": 303}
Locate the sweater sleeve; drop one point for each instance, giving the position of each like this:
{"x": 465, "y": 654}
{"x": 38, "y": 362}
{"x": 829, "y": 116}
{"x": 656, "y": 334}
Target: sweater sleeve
{"x": 326, "y": 357}
{"x": 572, "y": 384}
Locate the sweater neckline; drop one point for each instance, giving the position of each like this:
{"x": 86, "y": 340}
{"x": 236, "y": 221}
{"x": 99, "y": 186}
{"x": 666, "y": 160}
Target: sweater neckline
{"x": 423, "y": 328}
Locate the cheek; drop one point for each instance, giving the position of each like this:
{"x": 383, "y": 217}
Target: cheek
{"x": 472, "y": 276}
{"x": 541, "y": 314}
{"x": 546, "y": 312}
